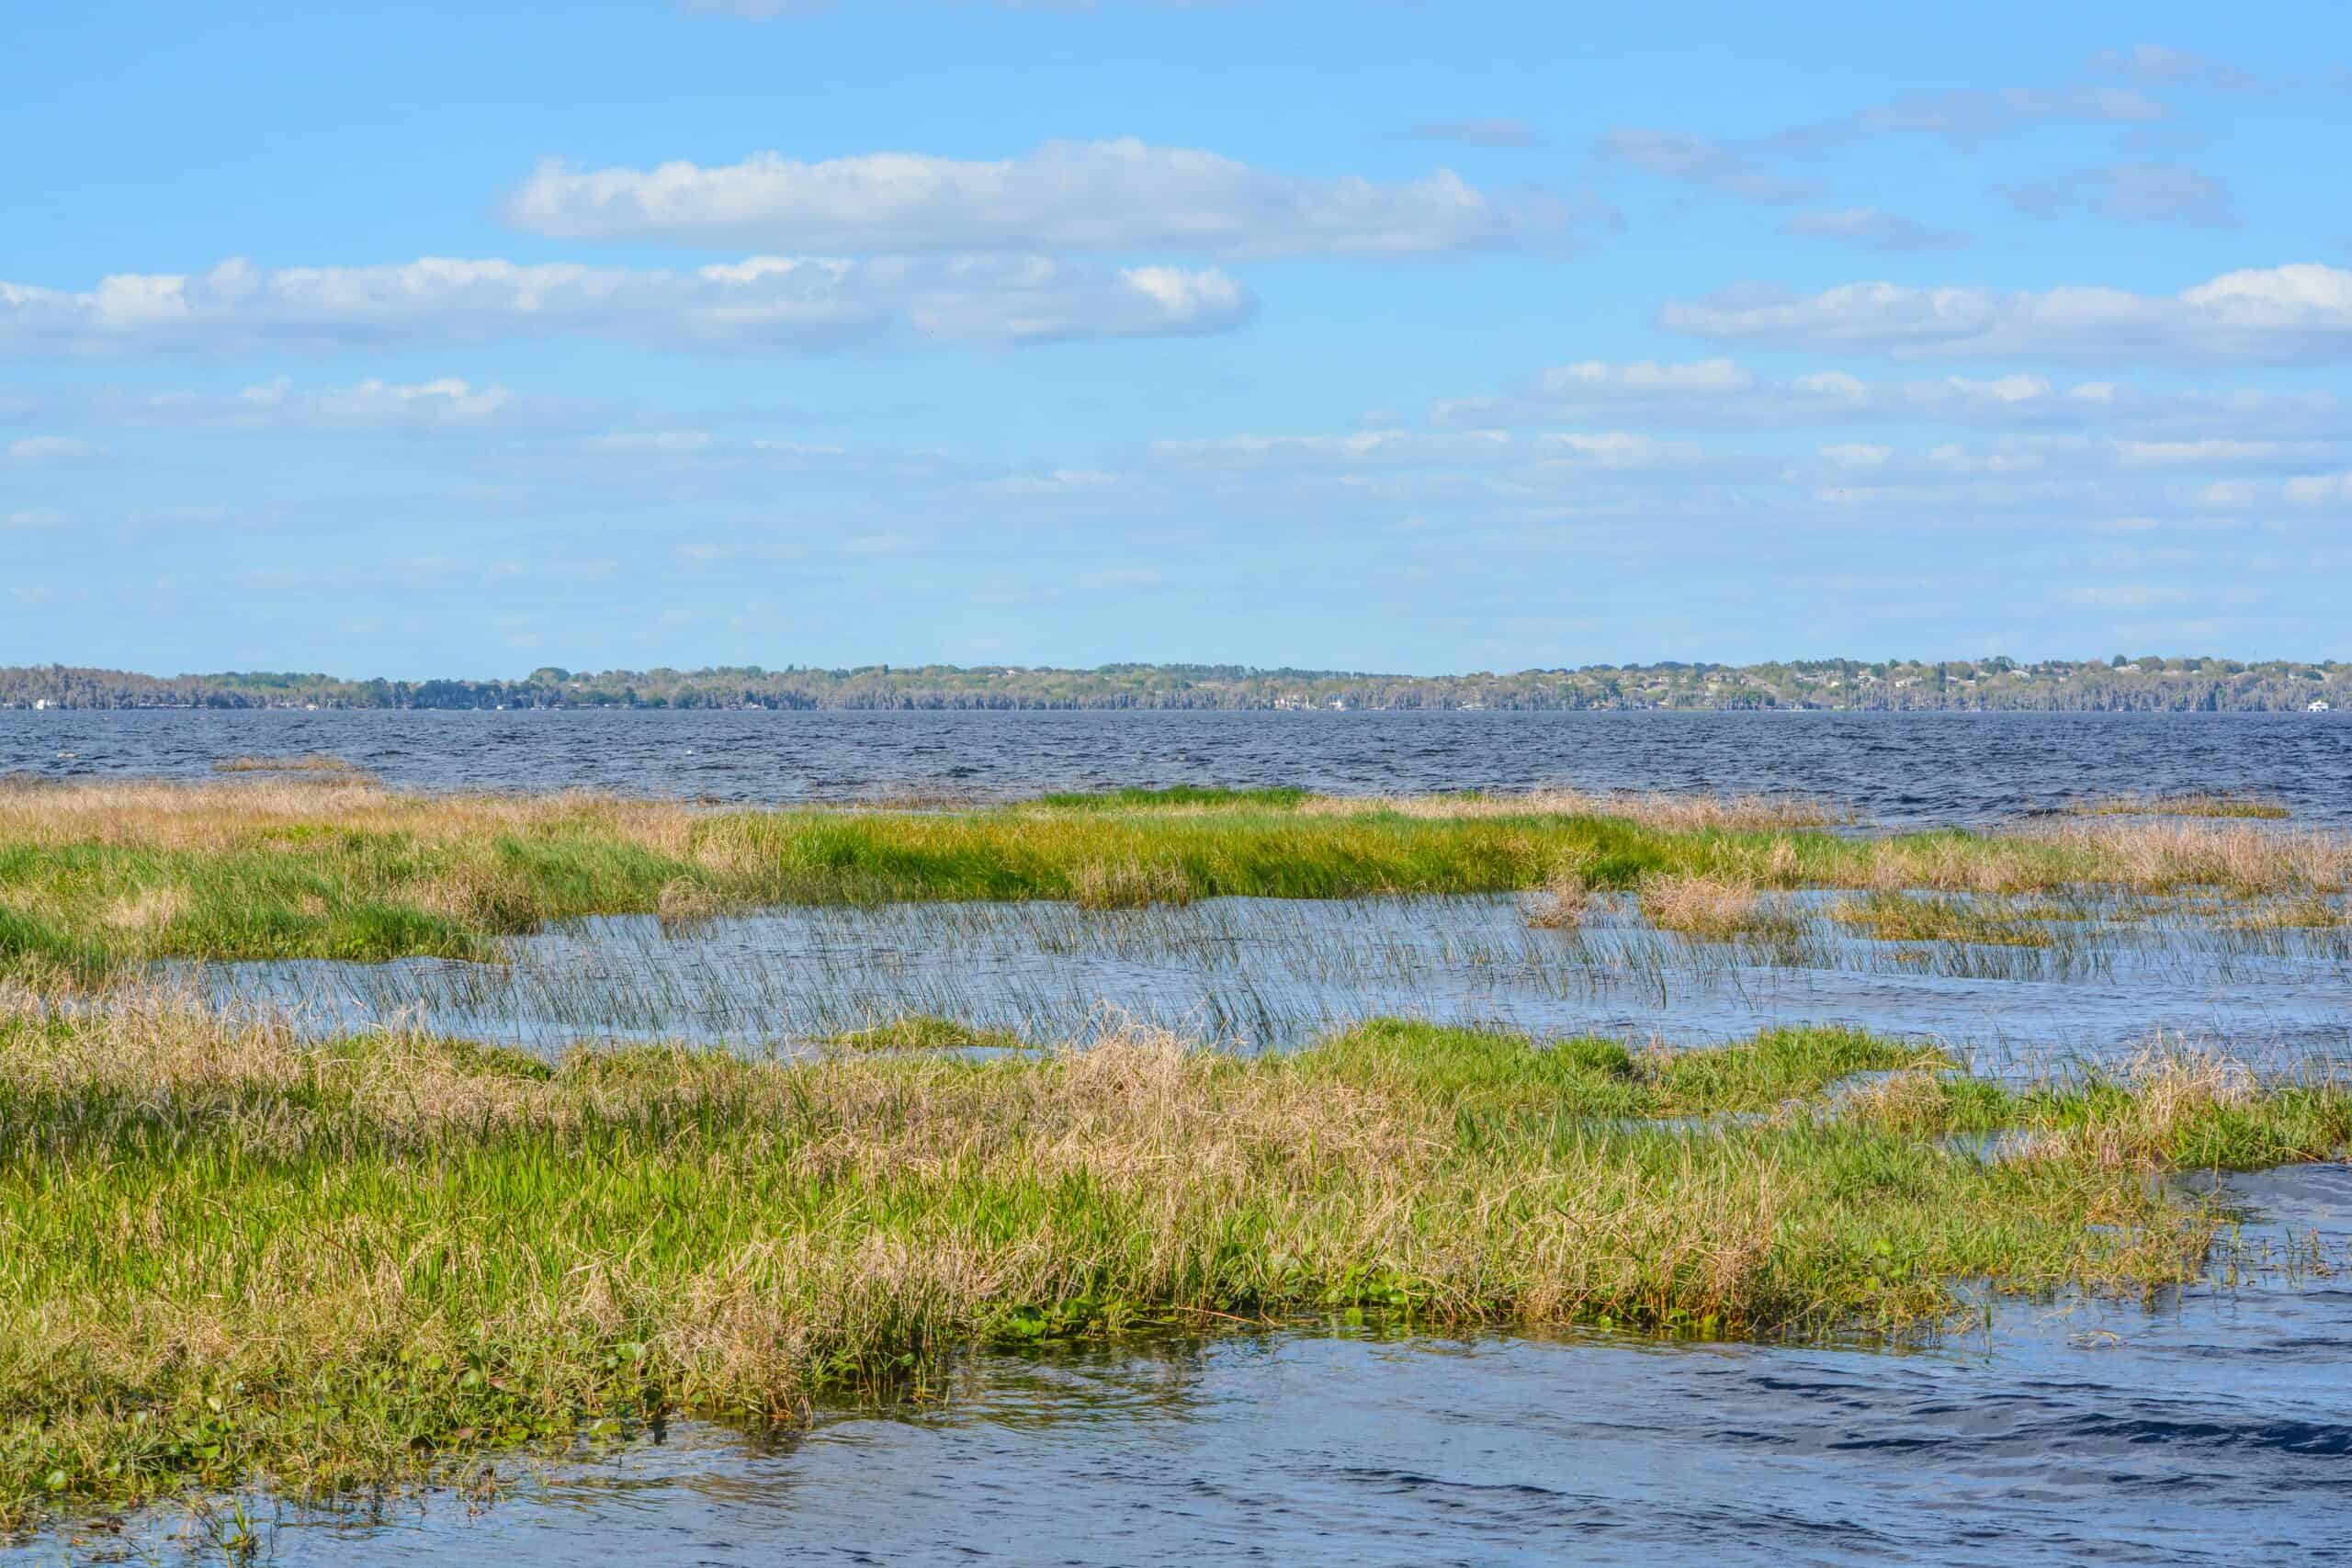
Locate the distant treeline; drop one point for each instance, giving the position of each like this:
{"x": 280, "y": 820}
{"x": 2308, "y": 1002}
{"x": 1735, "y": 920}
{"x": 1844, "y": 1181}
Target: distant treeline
{"x": 2118, "y": 684}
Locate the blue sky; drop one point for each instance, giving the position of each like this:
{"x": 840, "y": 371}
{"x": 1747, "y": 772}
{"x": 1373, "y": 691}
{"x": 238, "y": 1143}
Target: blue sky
{"x": 429, "y": 338}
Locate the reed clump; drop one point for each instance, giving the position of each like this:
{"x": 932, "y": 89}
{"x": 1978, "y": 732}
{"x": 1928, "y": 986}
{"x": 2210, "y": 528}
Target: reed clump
{"x": 227, "y": 1252}
{"x": 1564, "y": 902}
{"x": 1717, "y": 907}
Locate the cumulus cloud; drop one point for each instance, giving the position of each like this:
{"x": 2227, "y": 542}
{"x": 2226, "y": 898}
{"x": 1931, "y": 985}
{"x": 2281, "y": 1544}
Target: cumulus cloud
{"x": 764, "y": 304}
{"x": 1066, "y": 197}
{"x": 1699, "y": 160}
{"x": 2298, "y": 314}
{"x": 1873, "y": 229}
{"x": 2129, "y": 192}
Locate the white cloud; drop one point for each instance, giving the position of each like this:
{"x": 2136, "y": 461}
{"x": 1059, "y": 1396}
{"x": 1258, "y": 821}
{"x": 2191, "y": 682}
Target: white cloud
{"x": 2319, "y": 490}
{"x": 2154, "y": 65}
{"x": 1615, "y": 452}
{"x": 2286, "y": 315}
{"x": 1875, "y": 230}
{"x": 764, "y": 304}
{"x": 33, "y": 450}
{"x": 1699, "y": 160}
{"x": 1065, "y": 197}
{"x": 1722, "y": 394}
{"x": 2129, "y": 192}
{"x": 33, "y": 517}
{"x": 1967, "y": 116}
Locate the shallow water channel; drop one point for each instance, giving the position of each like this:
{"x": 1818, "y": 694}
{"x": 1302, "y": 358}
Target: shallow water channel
{"x": 1256, "y": 974}
{"x": 2209, "y": 1426}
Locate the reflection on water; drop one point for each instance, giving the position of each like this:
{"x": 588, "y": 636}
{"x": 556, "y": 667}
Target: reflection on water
{"x": 1255, "y": 973}
{"x": 2209, "y": 1426}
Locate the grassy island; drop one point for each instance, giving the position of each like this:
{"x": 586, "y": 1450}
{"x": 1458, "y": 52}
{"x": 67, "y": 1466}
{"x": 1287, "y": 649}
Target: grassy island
{"x": 317, "y": 864}
{"x": 227, "y": 1253}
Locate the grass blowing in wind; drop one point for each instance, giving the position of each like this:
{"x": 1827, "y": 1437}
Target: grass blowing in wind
{"x": 228, "y": 1254}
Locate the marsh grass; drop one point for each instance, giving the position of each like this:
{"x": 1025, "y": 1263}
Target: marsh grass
{"x": 1898, "y": 917}
{"x": 1564, "y": 903}
{"x": 2199, "y": 805}
{"x": 97, "y": 876}
{"x": 228, "y": 1254}
{"x": 926, "y": 1032}
{"x": 305, "y": 762}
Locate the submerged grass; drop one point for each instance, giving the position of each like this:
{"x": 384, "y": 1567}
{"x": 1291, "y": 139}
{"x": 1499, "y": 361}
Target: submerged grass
{"x": 227, "y": 1253}
{"x": 98, "y": 876}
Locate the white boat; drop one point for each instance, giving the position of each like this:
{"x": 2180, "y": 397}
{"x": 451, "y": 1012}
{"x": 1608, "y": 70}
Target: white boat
{"x": 2319, "y": 704}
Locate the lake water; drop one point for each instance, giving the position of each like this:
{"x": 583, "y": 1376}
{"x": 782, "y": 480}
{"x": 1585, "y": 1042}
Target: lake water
{"x": 1261, "y": 974}
{"x": 1895, "y": 768}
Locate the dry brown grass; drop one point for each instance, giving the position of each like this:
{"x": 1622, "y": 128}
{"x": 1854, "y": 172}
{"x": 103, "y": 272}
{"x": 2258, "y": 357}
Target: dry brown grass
{"x": 240, "y": 813}
{"x": 1709, "y": 906}
{"x": 1563, "y": 903}
{"x": 1129, "y": 885}
{"x": 2163, "y": 857}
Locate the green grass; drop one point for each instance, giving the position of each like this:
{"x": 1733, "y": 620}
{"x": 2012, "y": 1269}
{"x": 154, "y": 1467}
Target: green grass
{"x": 225, "y": 1254}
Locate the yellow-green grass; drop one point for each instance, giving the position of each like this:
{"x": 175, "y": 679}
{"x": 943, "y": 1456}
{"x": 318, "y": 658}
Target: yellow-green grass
{"x": 98, "y": 876}
{"x": 227, "y": 1255}
{"x": 926, "y": 1032}
{"x": 2259, "y": 807}
{"x": 1901, "y": 917}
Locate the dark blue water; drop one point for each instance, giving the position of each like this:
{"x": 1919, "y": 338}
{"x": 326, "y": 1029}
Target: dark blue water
{"x": 1892, "y": 767}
